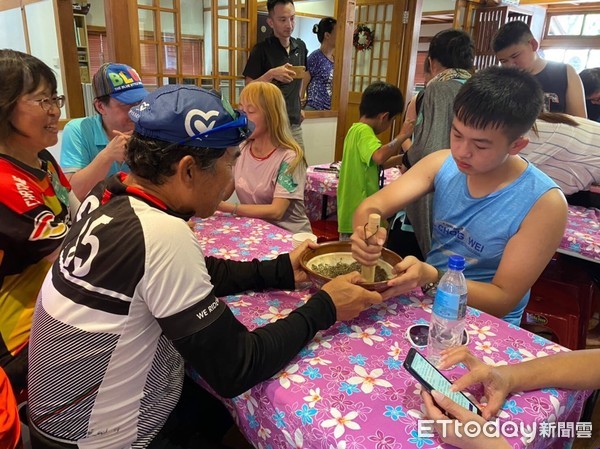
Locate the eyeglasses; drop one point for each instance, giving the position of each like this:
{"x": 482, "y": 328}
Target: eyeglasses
{"x": 47, "y": 103}
{"x": 418, "y": 334}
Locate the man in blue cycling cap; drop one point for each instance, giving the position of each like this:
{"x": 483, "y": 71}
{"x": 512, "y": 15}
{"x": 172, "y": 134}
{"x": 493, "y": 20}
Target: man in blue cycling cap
{"x": 132, "y": 296}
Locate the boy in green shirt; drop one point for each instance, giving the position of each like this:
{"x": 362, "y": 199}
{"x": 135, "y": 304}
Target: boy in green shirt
{"x": 364, "y": 156}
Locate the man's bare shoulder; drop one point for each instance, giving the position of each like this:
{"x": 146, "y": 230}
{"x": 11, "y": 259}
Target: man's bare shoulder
{"x": 430, "y": 165}
{"x": 437, "y": 158}
{"x": 549, "y": 210}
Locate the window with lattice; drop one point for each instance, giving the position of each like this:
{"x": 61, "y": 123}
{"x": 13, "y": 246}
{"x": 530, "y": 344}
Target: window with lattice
{"x": 572, "y": 37}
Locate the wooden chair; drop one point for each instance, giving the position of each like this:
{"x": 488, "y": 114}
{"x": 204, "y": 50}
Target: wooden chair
{"x": 325, "y": 230}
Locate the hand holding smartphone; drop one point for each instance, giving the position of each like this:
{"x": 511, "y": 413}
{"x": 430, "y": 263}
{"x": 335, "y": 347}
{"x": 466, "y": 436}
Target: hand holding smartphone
{"x": 299, "y": 71}
{"x": 432, "y": 379}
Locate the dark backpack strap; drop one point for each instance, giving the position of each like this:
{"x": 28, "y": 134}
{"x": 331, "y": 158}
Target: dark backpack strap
{"x": 419, "y": 101}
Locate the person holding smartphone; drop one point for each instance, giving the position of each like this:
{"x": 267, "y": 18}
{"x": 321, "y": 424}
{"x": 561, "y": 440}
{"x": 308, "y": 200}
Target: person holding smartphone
{"x": 432, "y": 380}
{"x": 499, "y": 381}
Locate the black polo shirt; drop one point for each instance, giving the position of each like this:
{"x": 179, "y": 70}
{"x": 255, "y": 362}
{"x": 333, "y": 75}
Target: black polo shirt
{"x": 270, "y": 53}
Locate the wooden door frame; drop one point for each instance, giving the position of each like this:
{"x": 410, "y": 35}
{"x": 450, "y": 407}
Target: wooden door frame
{"x": 405, "y": 57}
{"x": 67, "y": 49}
{"x": 122, "y": 32}
{"x": 343, "y": 46}
{"x": 409, "y": 49}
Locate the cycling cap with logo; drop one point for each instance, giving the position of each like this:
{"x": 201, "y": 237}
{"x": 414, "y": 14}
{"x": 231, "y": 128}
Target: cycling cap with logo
{"x": 119, "y": 81}
{"x": 190, "y": 115}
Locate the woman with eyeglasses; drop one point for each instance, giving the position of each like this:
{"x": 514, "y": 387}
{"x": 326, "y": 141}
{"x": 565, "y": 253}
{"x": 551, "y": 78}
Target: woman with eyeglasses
{"x": 35, "y": 199}
{"x": 271, "y": 171}
{"x": 319, "y": 66}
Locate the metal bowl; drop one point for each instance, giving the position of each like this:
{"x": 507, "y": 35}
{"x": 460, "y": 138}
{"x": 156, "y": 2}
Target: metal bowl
{"x": 334, "y": 252}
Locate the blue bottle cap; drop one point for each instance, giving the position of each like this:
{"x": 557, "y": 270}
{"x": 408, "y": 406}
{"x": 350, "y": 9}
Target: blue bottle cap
{"x": 456, "y": 263}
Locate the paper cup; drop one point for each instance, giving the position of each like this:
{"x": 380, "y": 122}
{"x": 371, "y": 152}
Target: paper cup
{"x": 300, "y": 237}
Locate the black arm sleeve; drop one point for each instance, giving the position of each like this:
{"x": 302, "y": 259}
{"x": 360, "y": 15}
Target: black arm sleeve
{"x": 230, "y": 277}
{"x": 232, "y": 359}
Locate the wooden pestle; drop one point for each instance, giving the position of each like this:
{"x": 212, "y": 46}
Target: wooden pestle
{"x": 372, "y": 226}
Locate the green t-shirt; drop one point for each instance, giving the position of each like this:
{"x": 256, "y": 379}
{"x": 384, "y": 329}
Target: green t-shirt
{"x": 359, "y": 175}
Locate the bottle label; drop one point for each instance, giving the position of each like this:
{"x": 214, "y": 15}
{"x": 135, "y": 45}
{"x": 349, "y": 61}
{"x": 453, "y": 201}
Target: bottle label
{"x": 448, "y": 305}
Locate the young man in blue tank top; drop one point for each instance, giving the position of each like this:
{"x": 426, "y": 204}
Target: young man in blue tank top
{"x": 490, "y": 205}
{"x": 515, "y": 46}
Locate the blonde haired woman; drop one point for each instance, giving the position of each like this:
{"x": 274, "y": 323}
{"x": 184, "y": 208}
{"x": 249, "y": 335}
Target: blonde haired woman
{"x": 271, "y": 170}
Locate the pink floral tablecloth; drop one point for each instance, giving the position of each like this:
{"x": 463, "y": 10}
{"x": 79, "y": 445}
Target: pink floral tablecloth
{"x": 347, "y": 388}
{"x": 582, "y": 236}
{"x": 322, "y": 186}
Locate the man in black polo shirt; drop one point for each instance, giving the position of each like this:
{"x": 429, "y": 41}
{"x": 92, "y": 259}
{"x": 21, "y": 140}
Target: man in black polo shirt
{"x": 272, "y": 60}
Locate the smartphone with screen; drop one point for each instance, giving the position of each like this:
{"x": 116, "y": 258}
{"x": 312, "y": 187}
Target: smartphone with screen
{"x": 432, "y": 379}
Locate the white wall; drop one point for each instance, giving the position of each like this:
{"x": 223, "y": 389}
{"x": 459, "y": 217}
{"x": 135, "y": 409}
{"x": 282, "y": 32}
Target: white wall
{"x": 537, "y": 20}
{"x": 303, "y": 30}
{"x": 438, "y": 5}
{"x": 55, "y": 150}
{"x": 321, "y": 7}
{"x": 430, "y": 30}
{"x": 319, "y": 139}
{"x": 43, "y": 41}
{"x": 12, "y": 34}
{"x": 95, "y": 15}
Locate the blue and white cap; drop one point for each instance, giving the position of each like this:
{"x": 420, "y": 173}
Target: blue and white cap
{"x": 189, "y": 115}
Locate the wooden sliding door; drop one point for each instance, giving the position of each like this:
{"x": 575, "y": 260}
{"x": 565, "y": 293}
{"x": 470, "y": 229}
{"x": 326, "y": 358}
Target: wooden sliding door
{"x": 392, "y": 58}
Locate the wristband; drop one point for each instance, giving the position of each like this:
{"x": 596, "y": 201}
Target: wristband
{"x": 429, "y": 286}
{"x": 405, "y": 161}
{"x": 432, "y": 285}
{"x": 234, "y": 211}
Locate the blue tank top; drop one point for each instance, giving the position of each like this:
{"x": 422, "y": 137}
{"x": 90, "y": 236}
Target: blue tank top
{"x": 479, "y": 228}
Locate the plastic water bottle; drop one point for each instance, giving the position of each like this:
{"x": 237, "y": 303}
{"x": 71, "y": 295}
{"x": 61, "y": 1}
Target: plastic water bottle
{"x": 449, "y": 310}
